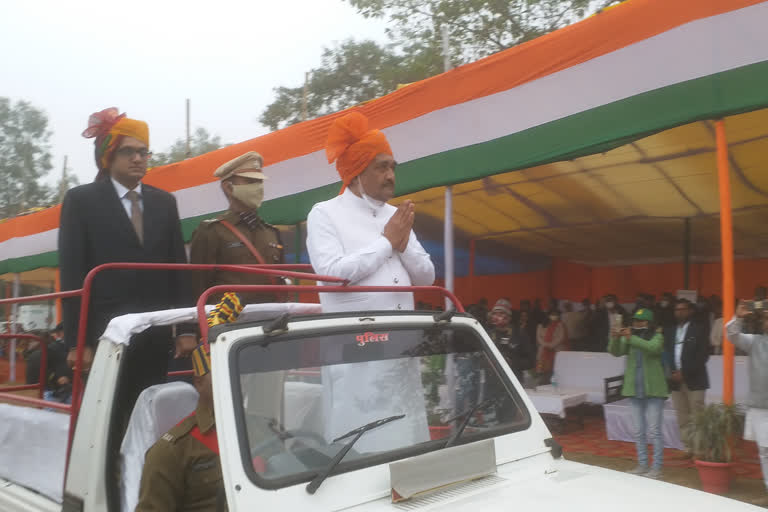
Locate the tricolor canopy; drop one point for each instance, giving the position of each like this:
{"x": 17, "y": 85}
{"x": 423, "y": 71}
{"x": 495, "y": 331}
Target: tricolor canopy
{"x": 609, "y": 118}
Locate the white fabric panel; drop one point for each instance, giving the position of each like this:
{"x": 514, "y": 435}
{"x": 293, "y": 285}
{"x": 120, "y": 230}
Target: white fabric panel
{"x": 740, "y": 379}
{"x": 584, "y": 372}
{"x": 33, "y": 448}
{"x": 158, "y": 409}
{"x": 30, "y": 245}
{"x": 620, "y": 427}
{"x": 121, "y": 329}
{"x": 756, "y": 426}
{"x": 547, "y": 401}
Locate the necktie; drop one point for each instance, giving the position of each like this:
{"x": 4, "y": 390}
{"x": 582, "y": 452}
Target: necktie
{"x": 136, "y": 218}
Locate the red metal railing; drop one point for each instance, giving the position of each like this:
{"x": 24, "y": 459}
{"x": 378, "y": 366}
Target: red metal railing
{"x": 280, "y": 270}
{"x": 202, "y": 322}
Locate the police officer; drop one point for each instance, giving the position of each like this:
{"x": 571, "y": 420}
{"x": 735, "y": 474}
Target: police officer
{"x": 239, "y": 236}
{"x": 182, "y": 470}
{"x": 512, "y": 342}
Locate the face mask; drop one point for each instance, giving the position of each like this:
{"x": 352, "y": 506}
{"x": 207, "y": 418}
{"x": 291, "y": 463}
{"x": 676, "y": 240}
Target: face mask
{"x": 592, "y": 307}
{"x": 609, "y": 304}
{"x": 637, "y": 330}
{"x": 554, "y": 318}
{"x": 374, "y": 204}
{"x": 251, "y": 195}
{"x": 664, "y": 303}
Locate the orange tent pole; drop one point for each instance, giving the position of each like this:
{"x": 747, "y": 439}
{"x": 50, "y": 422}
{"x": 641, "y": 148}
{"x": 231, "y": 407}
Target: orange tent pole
{"x": 726, "y": 243}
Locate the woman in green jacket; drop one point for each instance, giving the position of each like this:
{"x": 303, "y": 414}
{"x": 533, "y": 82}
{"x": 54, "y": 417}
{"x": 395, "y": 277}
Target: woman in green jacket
{"x": 645, "y": 385}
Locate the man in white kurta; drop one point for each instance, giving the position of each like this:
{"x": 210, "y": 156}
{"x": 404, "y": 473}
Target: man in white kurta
{"x": 359, "y": 237}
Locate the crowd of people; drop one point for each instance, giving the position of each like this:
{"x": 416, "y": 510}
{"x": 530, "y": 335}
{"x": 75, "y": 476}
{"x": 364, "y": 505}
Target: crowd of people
{"x": 586, "y": 326}
{"x": 667, "y": 343}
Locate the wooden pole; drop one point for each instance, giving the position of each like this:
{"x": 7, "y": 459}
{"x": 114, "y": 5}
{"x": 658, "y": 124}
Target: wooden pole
{"x": 304, "y": 107}
{"x": 63, "y": 184}
{"x": 726, "y": 243}
{"x": 189, "y": 144}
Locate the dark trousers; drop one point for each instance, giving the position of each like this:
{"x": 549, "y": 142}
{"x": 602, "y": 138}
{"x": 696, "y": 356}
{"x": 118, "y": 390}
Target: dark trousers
{"x": 145, "y": 364}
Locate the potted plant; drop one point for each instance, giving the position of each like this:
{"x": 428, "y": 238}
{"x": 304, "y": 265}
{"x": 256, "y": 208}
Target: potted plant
{"x": 710, "y": 435}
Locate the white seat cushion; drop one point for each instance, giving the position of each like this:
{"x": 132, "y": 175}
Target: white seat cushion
{"x": 158, "y": 409}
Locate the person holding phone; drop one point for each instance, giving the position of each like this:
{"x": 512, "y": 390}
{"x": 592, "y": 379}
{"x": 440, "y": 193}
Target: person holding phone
{"x": 645, "y": 385}
{"x": 756, "y": 346}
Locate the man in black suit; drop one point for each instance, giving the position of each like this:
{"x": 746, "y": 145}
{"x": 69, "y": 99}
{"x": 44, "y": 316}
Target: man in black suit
{"x": 687, "y": 352}
{"x": 118, "y": 219}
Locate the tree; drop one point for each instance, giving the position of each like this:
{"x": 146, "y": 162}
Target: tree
{"x": 477, "y": 28}
{"x": 66, "y": 182}
{"x": 355, "y": 72}
{"x": 201, "y": 142}
{"x": 350, "y": 73}
{"x": 25, "y": 157}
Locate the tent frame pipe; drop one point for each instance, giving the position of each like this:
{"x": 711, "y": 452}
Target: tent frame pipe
{"x": 726, "y": 243}
{"x": 14, "y": 328}
{"x": 448, "y": 222}
{"x": 448, "y": 242}
{"x": 297, "y": 245}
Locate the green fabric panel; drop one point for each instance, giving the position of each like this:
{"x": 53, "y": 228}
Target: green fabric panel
{"x": 594, "y": 131}
{"x": 13, "y": 265}
{"x": 586, "y": 133}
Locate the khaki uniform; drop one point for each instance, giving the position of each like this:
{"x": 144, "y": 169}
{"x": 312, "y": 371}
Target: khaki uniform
{"x": 212, "y": 242}
{"x": 180, "y": 472}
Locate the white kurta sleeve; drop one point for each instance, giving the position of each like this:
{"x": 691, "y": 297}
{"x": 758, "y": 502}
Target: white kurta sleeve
{"x": 326, "y": 253}
{"x": 418, "y": 263}
{"x": 738, "y": 338}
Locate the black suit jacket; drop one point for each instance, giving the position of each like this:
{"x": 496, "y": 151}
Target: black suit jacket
{"x": 694, "y": 357}
{"x": 96, "y": 229}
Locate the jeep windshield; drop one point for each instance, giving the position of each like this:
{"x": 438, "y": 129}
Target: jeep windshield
{"x": 299, "y": 392}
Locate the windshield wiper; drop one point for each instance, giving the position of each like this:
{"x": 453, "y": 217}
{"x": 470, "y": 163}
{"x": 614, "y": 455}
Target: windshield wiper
{"x": 358, "y": 433}
{"x": 467, "y": 417}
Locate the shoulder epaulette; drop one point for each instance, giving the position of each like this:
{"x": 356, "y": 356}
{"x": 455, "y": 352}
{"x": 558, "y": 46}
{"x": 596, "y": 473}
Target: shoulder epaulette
{"x": 211, "y": 221}
{"x": 180, "y": 430}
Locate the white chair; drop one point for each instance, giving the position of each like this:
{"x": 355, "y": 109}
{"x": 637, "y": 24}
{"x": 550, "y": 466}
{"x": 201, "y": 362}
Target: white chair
{"x": 158, "y": 409}
{"x": 585, "y": 372}
{"x": 740, "y": 379}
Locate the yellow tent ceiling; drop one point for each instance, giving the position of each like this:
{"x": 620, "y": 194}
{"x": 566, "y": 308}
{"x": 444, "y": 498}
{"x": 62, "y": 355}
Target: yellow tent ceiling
{"x": 626, "y": 205}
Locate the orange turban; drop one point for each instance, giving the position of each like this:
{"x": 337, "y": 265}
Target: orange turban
{"x": 353, "y": 146}
{"x": 110, "y": 128}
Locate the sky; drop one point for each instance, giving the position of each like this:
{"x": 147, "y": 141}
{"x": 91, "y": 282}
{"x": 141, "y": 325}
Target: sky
{"x": 72, "y": 58}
